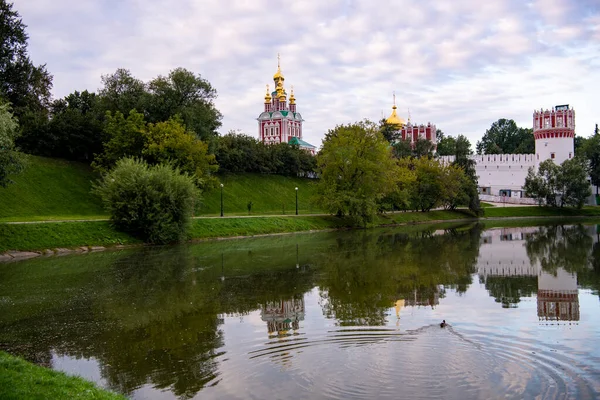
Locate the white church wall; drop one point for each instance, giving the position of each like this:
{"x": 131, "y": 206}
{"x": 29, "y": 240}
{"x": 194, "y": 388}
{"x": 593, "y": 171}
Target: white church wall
{"x": 556, "y": 149}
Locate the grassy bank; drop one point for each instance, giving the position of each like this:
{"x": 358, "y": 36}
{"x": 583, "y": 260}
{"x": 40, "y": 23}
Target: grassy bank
{"x": 60, "y": 234}
{"x": 269, "y": 194}
{"x": 50, "y": 189}
{"x": 51, "y": 235}
{"x": 20, "y": 379}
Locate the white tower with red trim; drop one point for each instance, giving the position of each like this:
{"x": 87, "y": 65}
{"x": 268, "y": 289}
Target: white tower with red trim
{"x": 554, "y": 133}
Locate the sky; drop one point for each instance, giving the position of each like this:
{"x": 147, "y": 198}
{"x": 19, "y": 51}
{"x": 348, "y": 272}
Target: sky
{"x": 460, "y": 64}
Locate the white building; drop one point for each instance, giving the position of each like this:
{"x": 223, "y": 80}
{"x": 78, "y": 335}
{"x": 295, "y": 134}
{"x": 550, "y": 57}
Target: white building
{"x": 502, "y": 176}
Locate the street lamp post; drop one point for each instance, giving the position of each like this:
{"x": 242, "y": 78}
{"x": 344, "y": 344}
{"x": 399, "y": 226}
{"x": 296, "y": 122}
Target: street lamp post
{"x": 221, "y": 199}
{"x": 296, "y": 201}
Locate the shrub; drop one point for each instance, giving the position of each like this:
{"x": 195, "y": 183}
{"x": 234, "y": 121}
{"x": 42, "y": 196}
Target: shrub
{"x": 154, "y": 203}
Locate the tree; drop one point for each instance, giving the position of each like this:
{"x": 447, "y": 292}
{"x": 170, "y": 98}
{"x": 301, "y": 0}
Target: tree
{"x": 75, "y": 130}
{"x": 590, "y": 150}
{"x": 573, "y": 186}
{"x": 122, "y": 92}
{"x": 390, "y": 132}
{"x": 446, "y": 145}
{"x": 427, "y": 190}
{"x": 154, "y": 203}
{"x": 170, "y": 142}
{"x": 505, "y": 137}
{"x": 423, "y": 148}
{"x": 188, "y": 95}
{"x": 24, "y": 85}
{"x": 10, "y": 161}
{"x": 402, "y": 148}
{"x": 559, "y": 185}
{"x": 125, "y": 137}
{"x": 357, "y": 171}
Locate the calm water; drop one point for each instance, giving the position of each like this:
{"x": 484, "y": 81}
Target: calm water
{"x": 328, "y": 315}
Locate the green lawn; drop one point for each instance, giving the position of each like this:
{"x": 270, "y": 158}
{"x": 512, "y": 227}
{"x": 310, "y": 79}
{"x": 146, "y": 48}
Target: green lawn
{"x": 21, "y": 380}
{"x": 50, "y": 189}
{"x": 53, "y": 235}
{"x": 269, "y": 194}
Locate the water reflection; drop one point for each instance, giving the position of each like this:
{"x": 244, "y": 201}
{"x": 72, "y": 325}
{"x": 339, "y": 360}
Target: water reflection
{"x": 180, "y": 319}
{"x": 518, "y": 262}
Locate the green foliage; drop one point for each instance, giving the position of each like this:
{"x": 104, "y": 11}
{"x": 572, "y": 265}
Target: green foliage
{"x": 157, "y": 143}
{"x": 10, "y": 161}
{"x": 24, "y": 85}
{"x": 504, "y": 137}
{"x": 75, "y": 128}
{"x": 154, "y": 203}
{"x": 125, "y": 137}
{"x": 390, "y": 132}
{"x": 121, "y": 92}
{"x": 50, "y": 189}
{"x": 357, "y": 171}
{"x": 590, "y": 150}
{"x": 403, "y": 148}
{"x": 170, "y": 142}
{"x": 20, "y": 379}
{"x": 428, "y": 189}
{"x": 188, "y": 95}
{"x": 241, "y": 153}
{"x": 446, "y": 145}
{"x": 556, "y": 185}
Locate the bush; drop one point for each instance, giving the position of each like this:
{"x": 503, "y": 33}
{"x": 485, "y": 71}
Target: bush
{"x": 154, "y": 203}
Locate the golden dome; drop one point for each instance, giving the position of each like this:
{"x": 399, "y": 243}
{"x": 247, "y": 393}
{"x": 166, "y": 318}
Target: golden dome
{"x": 292, "y": 98}
{"x": 268, "y": 96}
{"x": 394, "y": 119}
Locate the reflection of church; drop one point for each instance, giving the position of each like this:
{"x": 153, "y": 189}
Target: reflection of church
{"x": 503, "y": 255}
{"x": 283, "y": 316}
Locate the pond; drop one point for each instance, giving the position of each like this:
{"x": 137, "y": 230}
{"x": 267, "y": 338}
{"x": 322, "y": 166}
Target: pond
{"x": 338, "y": 315}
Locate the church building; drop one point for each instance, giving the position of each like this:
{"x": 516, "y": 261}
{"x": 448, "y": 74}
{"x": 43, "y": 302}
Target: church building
{"x": 280, "y": 122}
{"x": 409, "y": 131}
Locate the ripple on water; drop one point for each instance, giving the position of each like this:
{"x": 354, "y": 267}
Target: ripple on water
{"x": 426, "y": 363}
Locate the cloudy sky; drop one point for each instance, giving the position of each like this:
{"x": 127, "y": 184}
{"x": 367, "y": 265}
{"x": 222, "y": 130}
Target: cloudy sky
{"x": 460, "y": 64}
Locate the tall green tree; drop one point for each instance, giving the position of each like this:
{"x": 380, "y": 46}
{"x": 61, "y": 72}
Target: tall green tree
{"x": 26, "y": 86}
{"x": 188, "y": 95}
{"x": 10, "y": 161}
{"x": 505, "y": 137}
{"x": 559, "y": 185}
{"x": 446, "y": 145}
{"x": 122, "y": 92}
{"x": 75, "y": 130}
{"x": 357, "y": 170}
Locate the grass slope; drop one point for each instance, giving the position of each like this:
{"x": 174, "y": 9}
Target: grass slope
{"x": 20, "y": 379}
{"x": 50, "y": 189}
{"x": 60, "y": 234}
{"x": 270, "y": 194}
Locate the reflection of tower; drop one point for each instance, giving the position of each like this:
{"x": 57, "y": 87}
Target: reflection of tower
{"x": 503, "y": 255}
{"x": 283, "y": 316}
{"x": 557, "y": 298}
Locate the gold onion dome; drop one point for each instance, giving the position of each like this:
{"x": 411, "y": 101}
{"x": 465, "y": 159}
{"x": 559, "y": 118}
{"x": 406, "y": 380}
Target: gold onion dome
{"x": 268, "y": 96}
{"x": 292, "y": 98}
{"x": 394, "y": 119}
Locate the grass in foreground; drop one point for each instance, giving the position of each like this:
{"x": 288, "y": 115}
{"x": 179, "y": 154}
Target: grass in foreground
{"x": 20, "y": 379}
